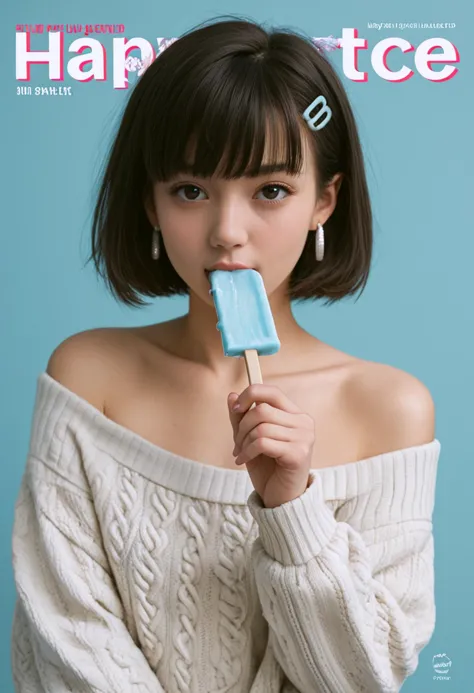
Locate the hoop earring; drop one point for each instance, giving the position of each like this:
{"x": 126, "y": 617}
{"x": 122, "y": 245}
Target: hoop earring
{"x": 319, "y": 243}
{"x": 155, "y": 243}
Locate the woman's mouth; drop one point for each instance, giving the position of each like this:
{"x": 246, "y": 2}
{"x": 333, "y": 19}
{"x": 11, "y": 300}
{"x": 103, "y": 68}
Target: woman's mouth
{"x": 226, "y": 268}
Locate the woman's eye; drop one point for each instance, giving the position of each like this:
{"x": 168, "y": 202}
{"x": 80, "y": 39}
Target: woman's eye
{"x": 194, "y": 191}
{"x": 274, "y": 187}
{"x": 185, "y": 187}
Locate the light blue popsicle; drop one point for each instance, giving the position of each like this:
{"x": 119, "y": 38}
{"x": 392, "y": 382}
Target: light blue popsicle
{"x": 244, "y": 314}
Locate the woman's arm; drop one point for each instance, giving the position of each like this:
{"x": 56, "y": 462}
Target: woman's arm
{"x": 347, "y": 610}
{"x": 69, "y": 631}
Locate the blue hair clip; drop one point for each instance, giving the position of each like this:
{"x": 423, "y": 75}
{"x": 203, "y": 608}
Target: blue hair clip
{"x": 325, "y": 110}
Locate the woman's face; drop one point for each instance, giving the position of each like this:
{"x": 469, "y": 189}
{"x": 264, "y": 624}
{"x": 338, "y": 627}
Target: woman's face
{"x": 260, "y": 222}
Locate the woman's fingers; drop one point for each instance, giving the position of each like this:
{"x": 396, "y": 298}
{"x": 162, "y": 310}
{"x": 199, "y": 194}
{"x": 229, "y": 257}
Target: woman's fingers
{"x": 262, "y": 414}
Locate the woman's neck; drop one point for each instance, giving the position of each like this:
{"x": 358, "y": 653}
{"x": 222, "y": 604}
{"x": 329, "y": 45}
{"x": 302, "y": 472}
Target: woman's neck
{"x": 196, "y": 338}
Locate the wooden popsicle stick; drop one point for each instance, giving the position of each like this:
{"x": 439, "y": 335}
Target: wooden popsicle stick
{"x": 253, "y": 366}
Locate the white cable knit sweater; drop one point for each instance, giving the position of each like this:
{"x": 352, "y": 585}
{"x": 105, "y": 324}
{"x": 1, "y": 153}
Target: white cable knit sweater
{"x": 139, "y": 571}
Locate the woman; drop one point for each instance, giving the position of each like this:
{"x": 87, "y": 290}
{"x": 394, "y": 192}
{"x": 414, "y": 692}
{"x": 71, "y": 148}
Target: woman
{"x": 165, "y": 539}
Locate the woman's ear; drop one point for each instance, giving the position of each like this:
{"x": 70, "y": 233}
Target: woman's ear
{"x": 327, "y": 201}
{"x": 337, "y": 181}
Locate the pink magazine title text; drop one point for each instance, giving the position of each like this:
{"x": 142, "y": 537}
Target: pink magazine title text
{"x": 90, "y": 61}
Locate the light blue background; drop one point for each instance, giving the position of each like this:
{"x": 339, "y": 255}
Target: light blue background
{"x": 415, "y": 314}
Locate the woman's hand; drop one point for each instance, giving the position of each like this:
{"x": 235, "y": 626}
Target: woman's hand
{"x": 275, "y": 440}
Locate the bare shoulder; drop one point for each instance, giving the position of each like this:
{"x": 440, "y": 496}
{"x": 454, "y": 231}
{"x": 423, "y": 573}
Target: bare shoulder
{"x": 395, "y": 409}
{"x": 86, "y": 361}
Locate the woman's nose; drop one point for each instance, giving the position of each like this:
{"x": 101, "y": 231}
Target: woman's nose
{"x": 228, "y": 231}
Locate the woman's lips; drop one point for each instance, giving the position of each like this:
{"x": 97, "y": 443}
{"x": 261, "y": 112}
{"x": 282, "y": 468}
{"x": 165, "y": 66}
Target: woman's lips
{"x": 207, "y": 272}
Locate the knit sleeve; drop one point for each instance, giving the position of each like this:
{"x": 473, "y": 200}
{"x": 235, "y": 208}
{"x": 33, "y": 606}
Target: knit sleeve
{"x": 350, "y": 606}
{"x": 68, "y": 631}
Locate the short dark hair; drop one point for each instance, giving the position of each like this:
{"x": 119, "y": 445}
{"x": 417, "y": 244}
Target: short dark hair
{"x": 218, "y": 86}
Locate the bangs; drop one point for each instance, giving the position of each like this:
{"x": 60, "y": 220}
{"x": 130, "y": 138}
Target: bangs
{"x": 240, "y": 123}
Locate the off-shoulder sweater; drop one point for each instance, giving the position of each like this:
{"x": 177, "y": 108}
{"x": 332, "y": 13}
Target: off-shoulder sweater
{"x": 140, "y": 571}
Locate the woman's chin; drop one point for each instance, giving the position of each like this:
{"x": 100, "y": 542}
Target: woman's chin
{"x": 201, "y": 289}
